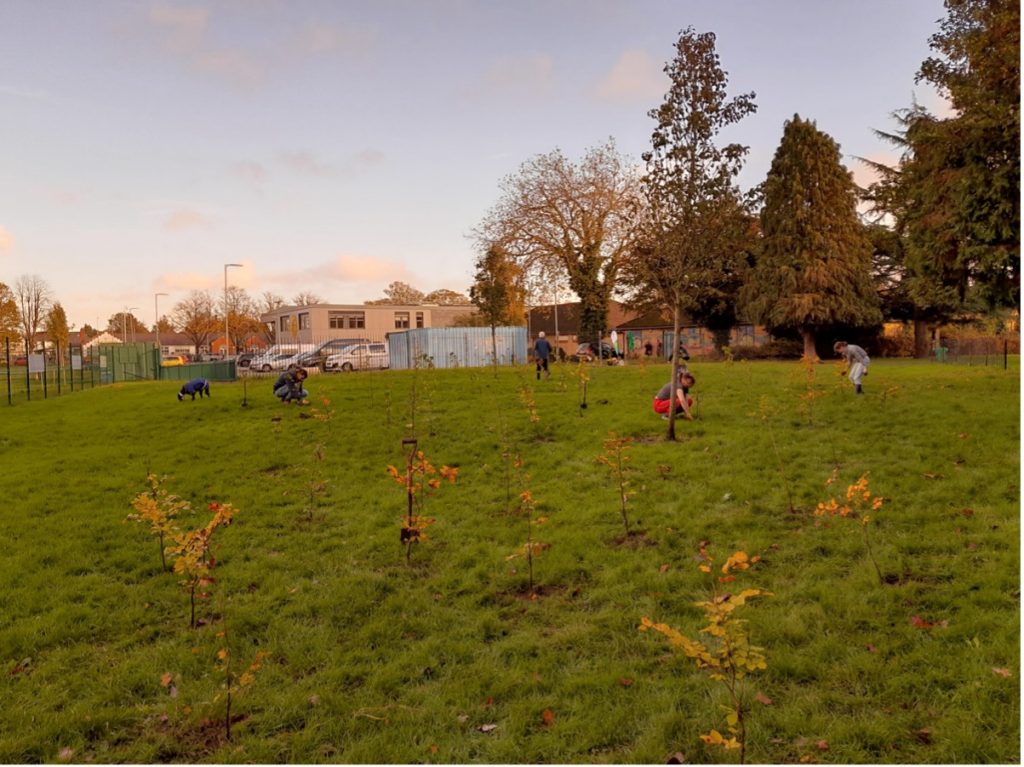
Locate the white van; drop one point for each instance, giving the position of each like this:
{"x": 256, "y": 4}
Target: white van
{"x": 359, "y": 357}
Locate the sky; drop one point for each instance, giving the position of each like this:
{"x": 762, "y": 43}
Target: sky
{"x": 336, "y": 146}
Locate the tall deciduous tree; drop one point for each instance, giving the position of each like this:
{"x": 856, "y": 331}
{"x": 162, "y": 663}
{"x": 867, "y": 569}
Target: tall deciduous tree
{"x": 32, "y": 295}
{"x": 814, "y": 265}
{"x": 242, "y": 313}
{"x": 977, "y": 65}
{"x": 696, "y": 233}
{"x": 307, "y": 298}
{"x": 497, "y": 292}
{"x": 10, "y": 320}
{"x": 399, "y": 294}
{"x": 125, "y": 325}
{"x": 57, "y": 330}
{"x": 268, "y": 302}
{"x": 578, "y": 218}
{"x": 196, "y": 317}
{"x": 446, "y": 297}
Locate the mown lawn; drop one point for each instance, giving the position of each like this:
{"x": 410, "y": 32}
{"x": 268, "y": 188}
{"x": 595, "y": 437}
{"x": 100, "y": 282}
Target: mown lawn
{"x": 376, "y": 660}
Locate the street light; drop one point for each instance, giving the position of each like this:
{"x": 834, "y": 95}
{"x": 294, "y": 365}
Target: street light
{"x": 227, "y": 337}
{"x": 156, "y": 320}
{"x": 124, "y": 322}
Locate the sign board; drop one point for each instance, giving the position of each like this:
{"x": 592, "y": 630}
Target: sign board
{"x": 36, "y": 363}
{"x": 76, "y": 361}
{"x": 103, "y": 361}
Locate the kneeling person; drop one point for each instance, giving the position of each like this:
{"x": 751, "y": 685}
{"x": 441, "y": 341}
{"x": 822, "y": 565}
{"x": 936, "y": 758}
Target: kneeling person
{"x": 196, "y": 386}
{"x": 663, "y": 400}
{"x": 289, "y": 388}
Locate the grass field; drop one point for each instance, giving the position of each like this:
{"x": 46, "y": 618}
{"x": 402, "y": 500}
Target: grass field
{"x": 372, "y": 659}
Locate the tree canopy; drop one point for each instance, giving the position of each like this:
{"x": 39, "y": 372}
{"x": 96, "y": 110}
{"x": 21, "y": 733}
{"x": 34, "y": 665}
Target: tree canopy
{"x": 814, "y": 264}
{"x": 696, "y": 235}
{"x": 576, "y": 218}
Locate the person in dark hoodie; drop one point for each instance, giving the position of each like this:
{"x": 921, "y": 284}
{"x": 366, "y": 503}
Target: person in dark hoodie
{"x": 289, "y": 386}
{"x": 196, "y": 386}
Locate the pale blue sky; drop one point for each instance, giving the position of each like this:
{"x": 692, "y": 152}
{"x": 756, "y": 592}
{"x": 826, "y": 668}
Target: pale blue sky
{"x": 336, "y": 146}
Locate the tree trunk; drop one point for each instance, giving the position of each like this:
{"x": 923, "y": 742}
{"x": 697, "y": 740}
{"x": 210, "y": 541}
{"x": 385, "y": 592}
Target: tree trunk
{"x": 671, "y": 434}
{"x": 921, "y": 340}
{"x": 721, "y": 338}
{"x": 810, "y": 351}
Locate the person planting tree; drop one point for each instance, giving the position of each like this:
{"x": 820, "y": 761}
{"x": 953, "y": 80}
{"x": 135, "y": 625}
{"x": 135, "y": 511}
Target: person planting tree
{"x": 857, "y": 359}
{"x": 664, "y": 399}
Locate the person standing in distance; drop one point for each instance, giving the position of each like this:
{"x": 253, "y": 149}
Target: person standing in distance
{"x": 858, "y": 361}
{"x": 541, "y": 354}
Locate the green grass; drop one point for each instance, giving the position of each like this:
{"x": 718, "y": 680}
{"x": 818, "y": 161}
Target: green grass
{"x": 376, "y": 661}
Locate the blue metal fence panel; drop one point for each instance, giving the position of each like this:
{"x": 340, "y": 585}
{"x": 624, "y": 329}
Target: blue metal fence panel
{"x": 456, "y": 347}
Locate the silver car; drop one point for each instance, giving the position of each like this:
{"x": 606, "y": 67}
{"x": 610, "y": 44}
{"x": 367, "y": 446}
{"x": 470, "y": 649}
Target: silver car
{"x": 359, "y": 357}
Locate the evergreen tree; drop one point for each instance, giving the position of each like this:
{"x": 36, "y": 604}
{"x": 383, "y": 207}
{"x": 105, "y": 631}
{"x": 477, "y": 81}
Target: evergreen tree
{"x": 978, "y": 67}
{"x": 814, "y": 266}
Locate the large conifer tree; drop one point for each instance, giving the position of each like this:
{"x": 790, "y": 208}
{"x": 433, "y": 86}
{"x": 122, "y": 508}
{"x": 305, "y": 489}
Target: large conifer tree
{"x": 814, "y": 269}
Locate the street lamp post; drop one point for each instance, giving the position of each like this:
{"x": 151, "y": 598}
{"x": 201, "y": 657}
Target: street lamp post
{"x": 124, "y": 322}
{"x": 227, "y": 337}
{"x": 156, "y": 320}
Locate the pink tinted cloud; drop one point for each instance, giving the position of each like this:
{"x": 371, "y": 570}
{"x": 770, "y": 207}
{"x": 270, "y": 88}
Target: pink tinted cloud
{"x": 636, "y": 76}
{"x": 529, "y": 76}
{"x": 368, "y": 272}
{"x": 6, "y": 240}
{"x": 250, "y": 171}
{"x": 186, "y": 218}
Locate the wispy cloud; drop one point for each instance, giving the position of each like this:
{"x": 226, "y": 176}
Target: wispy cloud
{"x": 308, "y": 164}
{"x": 187, "y": 218}
{"x": 169, "y": 281}
{"x": 6, "y": 240}
{"x": 636, "y": 76}
{"x": 528, "y": 76}
{"x": 369, "y": 272}
{"x": 248, "y": 170}
{"x": 190, "y": 34}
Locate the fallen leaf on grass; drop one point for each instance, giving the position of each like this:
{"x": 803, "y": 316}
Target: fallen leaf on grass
{"x": 314, "y": 700}
{"x": 433, "y": 749}
{"x": 968, "y": 512}
{"x": 173, "y": 691}
{"x": 463, "y": 718}
{"x": 66, "y": 753}
{"x": 489, "y": 702}
{"x": 485, "y": 728}
{"x": 763, "y": 699}
{"x": 165, "y": 680}
{"x": 626, "y": 681}
{"x": 920, "y": 623}
{"x": 548, "y": 717}
{"x": 924, "y": 735}
{"x": 1003, "y": 672}
{"x": 536, "y": 676}
{"x": 663, "y": 569}
{"x": 928, "y": 475}
{"x": 870, "y": 648}
{"x": 822, "y": 745}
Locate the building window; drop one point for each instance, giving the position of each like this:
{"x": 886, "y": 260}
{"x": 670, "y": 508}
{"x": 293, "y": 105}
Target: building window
{"x": 401, "y": 320}
{"x": 285, "y": 320}
{"x": 419, "y": 319}
{"x": 304, "y": 321}
{"x": 340, "y": 320}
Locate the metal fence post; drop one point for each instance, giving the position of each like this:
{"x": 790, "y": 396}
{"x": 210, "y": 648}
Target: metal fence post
{"x": 44, "y": 371}
{"x": 7, "y": 349}
{"x": 56, "y": 349}
{"x": 28, "y": 375}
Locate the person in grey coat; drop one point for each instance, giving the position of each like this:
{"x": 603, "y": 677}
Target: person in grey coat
{"x": 858, "y": 362}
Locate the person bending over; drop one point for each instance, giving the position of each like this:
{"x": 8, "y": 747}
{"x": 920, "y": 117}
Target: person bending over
{"x": 289, "y": 386}
{"x": 666, "y": 398}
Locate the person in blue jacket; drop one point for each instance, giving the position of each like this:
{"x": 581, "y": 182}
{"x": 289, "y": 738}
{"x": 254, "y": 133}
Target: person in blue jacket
{"x": 196, "y": 386}
{"x": 541, "y": 353}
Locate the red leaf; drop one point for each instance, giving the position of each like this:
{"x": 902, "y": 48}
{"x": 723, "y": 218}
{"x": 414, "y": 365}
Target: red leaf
{"x": 870, "y": 648}
{"x": 548, "y": 717}
{"x": 920, "y": 623}
{"x": 822, "y": 745}
{"x": 626, "y": 681}
{"x": 663, "y": 569}
{"x": 489, "y": 702}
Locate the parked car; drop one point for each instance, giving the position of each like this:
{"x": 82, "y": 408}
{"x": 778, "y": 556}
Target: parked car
{"x": 268, "y": 362}
{"x": 244, "y": 359}
{"x": 21, "y": 359}
{"x": 588, "y": 351}
{"x": 359, "y": 357}
{"x": 172, "y": 360}
{"x": 319, "y": 354}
